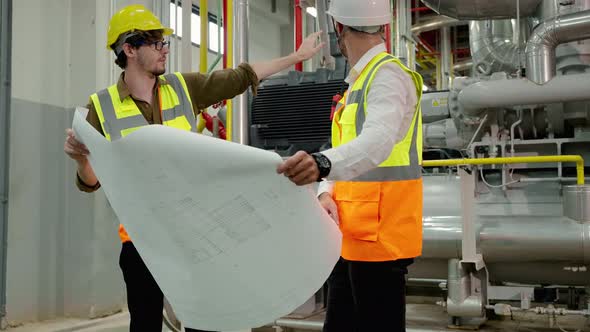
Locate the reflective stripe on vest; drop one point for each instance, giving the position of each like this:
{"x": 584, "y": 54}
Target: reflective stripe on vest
{"x": 404, "y": 161}
{"x": 120, "y": 118}
{"x": 381, "y": 210}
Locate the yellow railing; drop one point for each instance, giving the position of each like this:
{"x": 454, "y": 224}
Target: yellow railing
{"x": 513, "y": 160}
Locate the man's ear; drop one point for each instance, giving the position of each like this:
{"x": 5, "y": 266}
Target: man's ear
{"x": 129, "y": 50}
{"x": 340, "y": 27}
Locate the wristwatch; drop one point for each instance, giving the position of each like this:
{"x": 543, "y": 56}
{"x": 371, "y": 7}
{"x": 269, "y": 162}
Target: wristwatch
{"x": 324, "y": 164}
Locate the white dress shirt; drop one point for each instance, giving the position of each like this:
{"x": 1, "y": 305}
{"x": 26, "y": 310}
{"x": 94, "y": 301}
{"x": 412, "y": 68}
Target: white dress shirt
{"x": 391, "y": 102}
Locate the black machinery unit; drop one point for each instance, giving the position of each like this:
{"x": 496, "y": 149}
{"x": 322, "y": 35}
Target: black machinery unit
{"x": 293, "y": 113}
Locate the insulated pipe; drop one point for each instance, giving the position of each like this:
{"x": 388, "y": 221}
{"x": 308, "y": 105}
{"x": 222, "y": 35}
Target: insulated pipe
{"x": 435, "y": 24}
{"x": 493, "y": 47}
{"x": 512, "y": 160}
{"x": 298, "y": 31}
{"x": 482, "y": 9}
{"x": 239, "y": 128}
{"x": 523, "y": 237}
{"x": 540, "y": 48}
{"x": 463, "y": 65}
{"x": 445, "y": 57}
{"x": 514, "y": 92}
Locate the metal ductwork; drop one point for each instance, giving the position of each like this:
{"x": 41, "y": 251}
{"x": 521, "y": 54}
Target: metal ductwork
{"x": 495, "y": 45}
{"x": 482, "y": 9}
{"x": 540, "y": 49}
{"x": 435, "y": 24}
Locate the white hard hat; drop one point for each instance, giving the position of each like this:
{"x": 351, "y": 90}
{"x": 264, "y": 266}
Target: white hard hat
{"x": 361, "y": 12}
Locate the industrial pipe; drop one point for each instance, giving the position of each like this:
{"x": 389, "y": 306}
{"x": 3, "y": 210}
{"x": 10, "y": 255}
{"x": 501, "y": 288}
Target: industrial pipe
{"x": 540, "y": 48}
{"x": 239, "y": 125}
{"x": 463, "y": 65}
{"x": 482, "y": 9}
{"x": 446, "y": 58}
{"x": 514, "y": 92}
{"x": 493, "y": 46}
{"x": 435, "y": 24}
{"x": 298, "y": 31}
{"x": 523, "y": 237}
{"x": 512, "y": 160}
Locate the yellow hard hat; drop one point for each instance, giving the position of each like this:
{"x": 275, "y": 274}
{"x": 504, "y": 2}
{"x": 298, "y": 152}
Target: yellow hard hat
{"x": 133, "y": 17}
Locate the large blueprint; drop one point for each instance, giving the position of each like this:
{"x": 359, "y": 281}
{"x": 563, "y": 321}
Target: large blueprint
{"x": 231, "y": 243}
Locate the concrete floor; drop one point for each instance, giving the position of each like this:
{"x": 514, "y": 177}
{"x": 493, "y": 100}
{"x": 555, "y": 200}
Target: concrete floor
{"x": 420, "y": 318}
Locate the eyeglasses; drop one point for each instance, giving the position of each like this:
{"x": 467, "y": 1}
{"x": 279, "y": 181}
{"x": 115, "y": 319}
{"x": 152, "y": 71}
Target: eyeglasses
{"x": 158, "y": 45}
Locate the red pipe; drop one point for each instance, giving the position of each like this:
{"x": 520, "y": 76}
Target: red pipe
{"x": 224, "y": 18}
{"x": 420, "y": 9}
{"x": 388, "y": 37}
{"x": 429, "y": 47}
{"x": 298, "y": 31}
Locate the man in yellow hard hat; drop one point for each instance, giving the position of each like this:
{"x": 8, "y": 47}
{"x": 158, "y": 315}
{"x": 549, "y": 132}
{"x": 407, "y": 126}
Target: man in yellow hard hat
{"x": 143, "y": 96}
{"x": 374, "y": 163}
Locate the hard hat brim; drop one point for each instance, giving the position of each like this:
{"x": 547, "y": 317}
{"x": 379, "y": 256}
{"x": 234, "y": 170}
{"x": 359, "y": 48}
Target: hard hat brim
{"x": 362, "y": 21}
{"x": 165, "y": 32}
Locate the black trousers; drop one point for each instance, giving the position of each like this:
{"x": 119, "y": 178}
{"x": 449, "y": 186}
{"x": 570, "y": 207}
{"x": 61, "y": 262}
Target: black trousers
{"x": 144, "y": 297}
{"x": 367, "y": 296}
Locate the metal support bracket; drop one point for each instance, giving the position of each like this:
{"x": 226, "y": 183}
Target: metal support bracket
{"x": 469, "y": 242}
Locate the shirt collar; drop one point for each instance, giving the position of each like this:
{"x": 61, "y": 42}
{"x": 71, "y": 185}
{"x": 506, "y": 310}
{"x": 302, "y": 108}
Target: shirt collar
{"x": 363, "y": 62}
{"x": 123, "y": 89}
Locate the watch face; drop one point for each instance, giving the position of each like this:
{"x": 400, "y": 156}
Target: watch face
{"x": 323, "y": 162}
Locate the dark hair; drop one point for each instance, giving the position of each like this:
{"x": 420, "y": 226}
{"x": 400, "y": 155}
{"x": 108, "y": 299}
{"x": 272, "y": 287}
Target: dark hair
{"x": 139, "y": 38}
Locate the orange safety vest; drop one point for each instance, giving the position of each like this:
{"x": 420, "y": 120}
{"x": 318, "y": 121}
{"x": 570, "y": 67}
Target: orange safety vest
{"x": 380, "y": 211}
{"x": 120, "y": 118}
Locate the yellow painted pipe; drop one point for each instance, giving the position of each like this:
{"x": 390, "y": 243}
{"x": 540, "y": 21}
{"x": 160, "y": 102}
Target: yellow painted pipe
{"x": 204, "y": 13}
{"x": 229, "y": 27}
{"x": 513, "y": 160}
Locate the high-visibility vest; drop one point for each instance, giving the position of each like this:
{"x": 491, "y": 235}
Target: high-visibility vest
{"x": 380, "y": 211}
{"x": 120, "y": 118}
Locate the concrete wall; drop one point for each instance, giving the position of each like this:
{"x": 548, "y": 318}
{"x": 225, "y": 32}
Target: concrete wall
{"x": 62, "y": 244}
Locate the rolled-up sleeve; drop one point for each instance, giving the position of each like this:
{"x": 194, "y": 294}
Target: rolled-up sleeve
{"x": 206, "y": 90}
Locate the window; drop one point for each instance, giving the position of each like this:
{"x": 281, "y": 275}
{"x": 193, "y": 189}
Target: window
{"x": 214, "y": 34}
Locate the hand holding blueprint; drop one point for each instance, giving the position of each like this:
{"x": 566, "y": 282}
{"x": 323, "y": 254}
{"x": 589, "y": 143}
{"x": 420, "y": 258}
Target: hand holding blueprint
{"x": 231, "y": 243}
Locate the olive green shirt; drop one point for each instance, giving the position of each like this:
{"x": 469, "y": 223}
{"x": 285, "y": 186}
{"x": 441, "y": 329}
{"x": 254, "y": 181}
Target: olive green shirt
{"x": 204, "y": 91}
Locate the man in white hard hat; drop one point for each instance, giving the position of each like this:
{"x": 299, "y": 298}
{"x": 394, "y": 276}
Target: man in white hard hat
{"x": 374, "y": 190}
